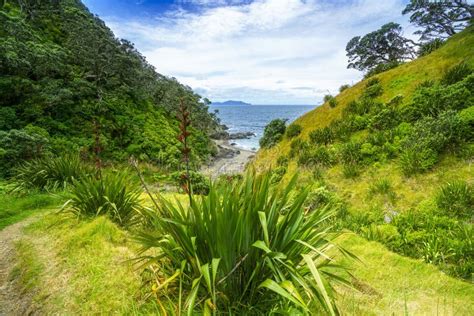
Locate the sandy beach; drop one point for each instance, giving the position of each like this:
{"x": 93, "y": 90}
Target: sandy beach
{"x": 232, "y": 163}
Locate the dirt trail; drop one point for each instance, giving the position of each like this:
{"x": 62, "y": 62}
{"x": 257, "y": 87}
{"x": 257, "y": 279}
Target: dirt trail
{"x": 12, "y": 301}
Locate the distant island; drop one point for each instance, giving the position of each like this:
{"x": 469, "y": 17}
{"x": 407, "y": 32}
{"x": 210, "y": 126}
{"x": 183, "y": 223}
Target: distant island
{"x": 231, "y": 102}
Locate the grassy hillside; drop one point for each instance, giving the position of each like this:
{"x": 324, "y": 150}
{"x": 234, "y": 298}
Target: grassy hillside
{"x": 371, "y": 154}
{"x": 402, "y": 80}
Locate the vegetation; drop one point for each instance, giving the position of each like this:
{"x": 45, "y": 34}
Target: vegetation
{"x": 65, "y": 78}
{"x": 394, "y": 137}
{"x": 293, "y": 130}
{"x": 112, "y": 194}
{"x": 248, "y": 247}
{"x": 273, "y": 133}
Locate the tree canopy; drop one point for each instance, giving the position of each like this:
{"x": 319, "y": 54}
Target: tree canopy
{"x": 439, "y": 19}
{"x": 62, "y": 69}
{"x": 381, "y": 47}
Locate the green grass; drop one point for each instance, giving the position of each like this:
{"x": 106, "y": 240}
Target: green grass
{"x": 14, "y": 208}
{"x": 90, "y": 268}
{"x": 392, "y": 284}
{"x": 83, "y": 268}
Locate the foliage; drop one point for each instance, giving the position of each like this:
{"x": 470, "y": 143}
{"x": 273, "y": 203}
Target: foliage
{"x": 297, "y": 145}
{"x": 199, "y": 183}
{"x": 350, "y": 170}
{"x": 429, "y": 47}
{"x": 115, "y": 195}
{"x": 320, "y": 155}
{"x": 51, "y": 173}
{"x": 245, "y": 248}
{"x": 383, "y": 46}
{"x": 456, "y": 73}
{"x": 293, "y": 130}
{"x": 439, "y": 18}
{"x": 344, "y": 87}
{"x": 277, "y": 174}
{"x": 322, "y": 136}
{"x": 428, "y": 138}
{"x": 63, "y": 69}
{"x": 456, "y": 198}
{"x": 273, "y": 133}
{"x": 331, "y": 100}
{"x": 20, "y": 145}
{"x": 373, "y": 88}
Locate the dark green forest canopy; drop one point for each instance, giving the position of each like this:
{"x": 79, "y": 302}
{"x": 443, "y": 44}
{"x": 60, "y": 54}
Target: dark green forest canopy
{"x": 62, "y": 69}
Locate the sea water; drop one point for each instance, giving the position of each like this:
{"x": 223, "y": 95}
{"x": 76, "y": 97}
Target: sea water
{"x": 254, "y": 118}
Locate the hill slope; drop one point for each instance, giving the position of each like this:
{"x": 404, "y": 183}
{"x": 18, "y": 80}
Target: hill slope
{"x": 65, "y": 80}
{"x": 395, "y": 154}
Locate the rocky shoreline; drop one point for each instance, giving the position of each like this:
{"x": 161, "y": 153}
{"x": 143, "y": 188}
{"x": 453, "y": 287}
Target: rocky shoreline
{"x": 229, "y": 159}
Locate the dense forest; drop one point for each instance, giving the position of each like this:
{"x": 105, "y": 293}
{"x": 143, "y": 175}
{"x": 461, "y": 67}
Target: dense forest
{"x": 68, "y": 85}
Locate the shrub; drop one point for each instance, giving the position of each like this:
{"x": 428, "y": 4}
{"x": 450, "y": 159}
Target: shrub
{"x": 19, "y": 145}
{"x": 273, "y": 133}
{"x": 296, "y": 146}
{"x": 115, "y": 195}
{"x": 199, "y": 183}
{"x": 329, "y": 99}
{"x": 277, "y": 174}
{"x": 466, "y": 117}
{"x": 456, "y": 198}
{"x": 395, "y": 101}
{"x": 350, "y": 170}
{"x": 245, "y": 248}
{"x": 382, "y": 187}
{"x": 349, "y": 153}
{"x": 293, "y": 130}
{"x": 373, "y": 88}
{"x": 384, "y": 233}
{"x": 429, "y": 47}
{"x": 344, "y": 87}
{"x": 384, "y": 119}
{"x": 381, "y": 68}
{"x": 283, "y": 161}
{"x": 322, "y": 136}
{"x": 320, "y": 155}
{"x": 456, "y": 73}
{"x": 51, "y": 173}
{"x": 320, "y": 198}
{"x": 427, "y": 139}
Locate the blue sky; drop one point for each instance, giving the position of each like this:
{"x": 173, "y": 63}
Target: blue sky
{"x": 258, "y": 51}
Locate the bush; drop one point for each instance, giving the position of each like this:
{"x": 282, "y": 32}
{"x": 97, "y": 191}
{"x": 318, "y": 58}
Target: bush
{"x": 199, "y": 183}
{"x": 19, "y": 145}
{"x": 344, "y": 87}
{"x": 296, "y": 146}
{"x": 350, "y": 153}
{"x": 456, "y": 73}
{"x": 456, "y": 198}
{"x": 273, "y": 133}
{"x": 330, "y": 100}
{"x": 277, "y": 174}
{"x": 381, "y": 68}
{"x": 350, "y": 170}
{"x": 115, "y": 195}
{"x": 466, "y": 117}
{"x": 373, "y": 88}
{"x": 429, "y": 47}
{"x": 293, "y": 130}
{"x": 245, "y": 248}
{"x": 320, "y": 155}
{"x": 427, "y": 139}
{"x": 51, "y": 173}
{"x": 283, "y": 161}
{"x": 384, "y": 119}
{"x": 322, "y": 136}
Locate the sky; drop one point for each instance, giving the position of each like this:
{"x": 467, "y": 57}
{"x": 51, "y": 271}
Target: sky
{"x": 257, "y": 51}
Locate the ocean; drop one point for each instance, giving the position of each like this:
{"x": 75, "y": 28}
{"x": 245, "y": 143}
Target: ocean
{"x": 254, "y": 118}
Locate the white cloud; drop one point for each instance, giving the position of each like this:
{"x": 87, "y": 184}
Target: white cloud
{"x": 266, "y": 51}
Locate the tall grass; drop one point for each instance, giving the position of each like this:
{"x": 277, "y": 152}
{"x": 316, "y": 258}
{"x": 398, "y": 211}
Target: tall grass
{"x": 247, "y": 248}
{"x": 51, "y": 173}
{"x": 115, "y": 195}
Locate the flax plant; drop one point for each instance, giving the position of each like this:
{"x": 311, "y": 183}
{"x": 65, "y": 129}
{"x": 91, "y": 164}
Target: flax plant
{"x": 249, "y": 247}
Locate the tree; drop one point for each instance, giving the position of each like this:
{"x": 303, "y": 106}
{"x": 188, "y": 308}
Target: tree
{"x": 273, "y": 133}
{"x": 384, "y": 46}
{"x": 439, "y": 19}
